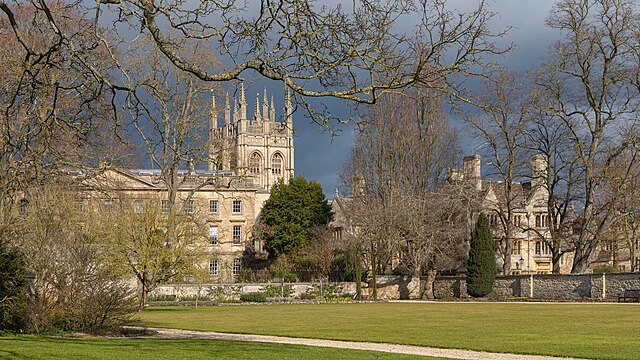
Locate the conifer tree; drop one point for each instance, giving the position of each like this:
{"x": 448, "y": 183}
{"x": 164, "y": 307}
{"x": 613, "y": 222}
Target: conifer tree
{"x": 481, "y": 265}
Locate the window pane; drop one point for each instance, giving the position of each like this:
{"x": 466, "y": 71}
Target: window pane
{"x": 236, "y": 266}
{"x": 237, "y": 206}
{"x": 137, "y": 206}
{"x": 213, "y": 234}
{"x": 237, "y": 234}
{"x": 213, "y": 206}
{"x": 255, "y": 163}
{"x": 190, "y": 206}
{"x": 213, "y": 266}
{"x": 276, "y": 165}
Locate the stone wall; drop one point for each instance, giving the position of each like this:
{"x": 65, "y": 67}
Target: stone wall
{"x": 547, "y": 287}
{"x": 395, "y": 287}
{"x": 222, "y": 292}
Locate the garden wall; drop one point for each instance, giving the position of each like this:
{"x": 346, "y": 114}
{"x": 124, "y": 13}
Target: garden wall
{"x": 548, "y": 287}
{"x": 227, "y": 292}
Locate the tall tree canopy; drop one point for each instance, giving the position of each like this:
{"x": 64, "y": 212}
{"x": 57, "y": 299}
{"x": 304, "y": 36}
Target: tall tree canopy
{"x": 291, "y": 211}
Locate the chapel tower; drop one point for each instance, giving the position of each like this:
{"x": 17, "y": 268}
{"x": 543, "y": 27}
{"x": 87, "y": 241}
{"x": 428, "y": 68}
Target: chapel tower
{"x": 260, "y": 148}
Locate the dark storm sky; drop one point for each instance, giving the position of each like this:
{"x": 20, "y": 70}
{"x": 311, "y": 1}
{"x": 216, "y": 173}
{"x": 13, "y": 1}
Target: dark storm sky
{"x": 320, "y": 157}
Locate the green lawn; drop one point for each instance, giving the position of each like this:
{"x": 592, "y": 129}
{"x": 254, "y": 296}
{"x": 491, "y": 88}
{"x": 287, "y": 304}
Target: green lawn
{"x": 34, "y": 347}
{"x": 606, "y": 331}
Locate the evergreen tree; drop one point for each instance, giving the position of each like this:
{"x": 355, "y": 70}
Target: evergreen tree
{"x": 13, "y": 285}
{"x": 291, "y": 211}
{"x": 481, "y": 265}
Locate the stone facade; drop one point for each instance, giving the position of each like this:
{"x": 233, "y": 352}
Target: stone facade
{"x": 530, "y": 253}
{"x": 225, "y": 200}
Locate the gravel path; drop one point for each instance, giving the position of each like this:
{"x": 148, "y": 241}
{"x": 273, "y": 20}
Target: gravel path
{"x": 389, "y": 348}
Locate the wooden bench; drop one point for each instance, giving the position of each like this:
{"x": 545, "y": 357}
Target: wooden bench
{"x": 630, "y": 295}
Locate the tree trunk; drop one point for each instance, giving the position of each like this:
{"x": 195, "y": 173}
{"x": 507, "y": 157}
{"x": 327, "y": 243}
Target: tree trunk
{"x": 374, "y": 278}
{"x": 144, "y": 294}
{"x": 428, "y": 284}
{"x": 506, "y": 259}
{"x": 580, "y": 261}
{"x": 358, "y": 267}
{"x": 555, "y": 260}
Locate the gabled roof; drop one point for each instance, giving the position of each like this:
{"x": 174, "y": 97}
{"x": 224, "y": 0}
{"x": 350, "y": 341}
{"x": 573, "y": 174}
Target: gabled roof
{"x": 340, "y": 208}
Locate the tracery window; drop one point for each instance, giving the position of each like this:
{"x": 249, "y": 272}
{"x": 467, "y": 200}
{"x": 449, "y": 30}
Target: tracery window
{"x": 255, "y": 163}
{"x": 276, "y": 164}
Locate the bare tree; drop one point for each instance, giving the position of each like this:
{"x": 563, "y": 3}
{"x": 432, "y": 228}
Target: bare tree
{"x": 54, "y": 105}
{"x": 433, "y": 231}
{"x": 619, "y": 195}
{"x": 553, "y": 141}
{"x": 586, "y": 80}
{"x": 171, "y": 112}
{"x": 352, "y": 52}
{"x": 501, "y": 127}
{"x": 412, "y": 156}
{"x": 397, "y": 171}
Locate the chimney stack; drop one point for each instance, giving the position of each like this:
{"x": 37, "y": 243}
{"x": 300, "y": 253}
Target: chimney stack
{"x": 471, "y": 170}
{"x": 357, "y": 186}
{"x": 539, "y": 170}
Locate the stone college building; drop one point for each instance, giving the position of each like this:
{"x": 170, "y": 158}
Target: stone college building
{"x": 246, "y": 157}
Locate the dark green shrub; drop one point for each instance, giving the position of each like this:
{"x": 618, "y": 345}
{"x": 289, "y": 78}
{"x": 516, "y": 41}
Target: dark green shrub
{"x": 245, "y": 276}
{"x": 156, "y": 298}
{"x": 254, "y": 297}
{"x": 13, "y": 287}
{"x": 481, "y": 265}
{"x": 194, "y": 298}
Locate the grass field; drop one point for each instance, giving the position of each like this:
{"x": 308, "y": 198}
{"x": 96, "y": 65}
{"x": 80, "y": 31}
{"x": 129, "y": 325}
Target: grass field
{"x": 604, "y": 331}
{"x": 33, "y": 347}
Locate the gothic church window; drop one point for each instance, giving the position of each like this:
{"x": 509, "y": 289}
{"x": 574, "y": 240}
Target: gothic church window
{"x": 255, "y": 163}
{"x": 276, "y": 164}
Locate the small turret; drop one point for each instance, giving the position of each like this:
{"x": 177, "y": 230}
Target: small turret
{"x": 213, "y": 114}
{"x": 265, "y": 105}
{"x": 272, "y": 115}
{"x": 227, "y": 112}
{"x": 242, "y": 104}
{"x": 539, "y": 170}
{"x": 256, "y": 111}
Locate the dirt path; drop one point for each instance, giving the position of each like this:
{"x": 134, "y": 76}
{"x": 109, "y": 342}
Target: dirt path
{"x": 389, "y": 348}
